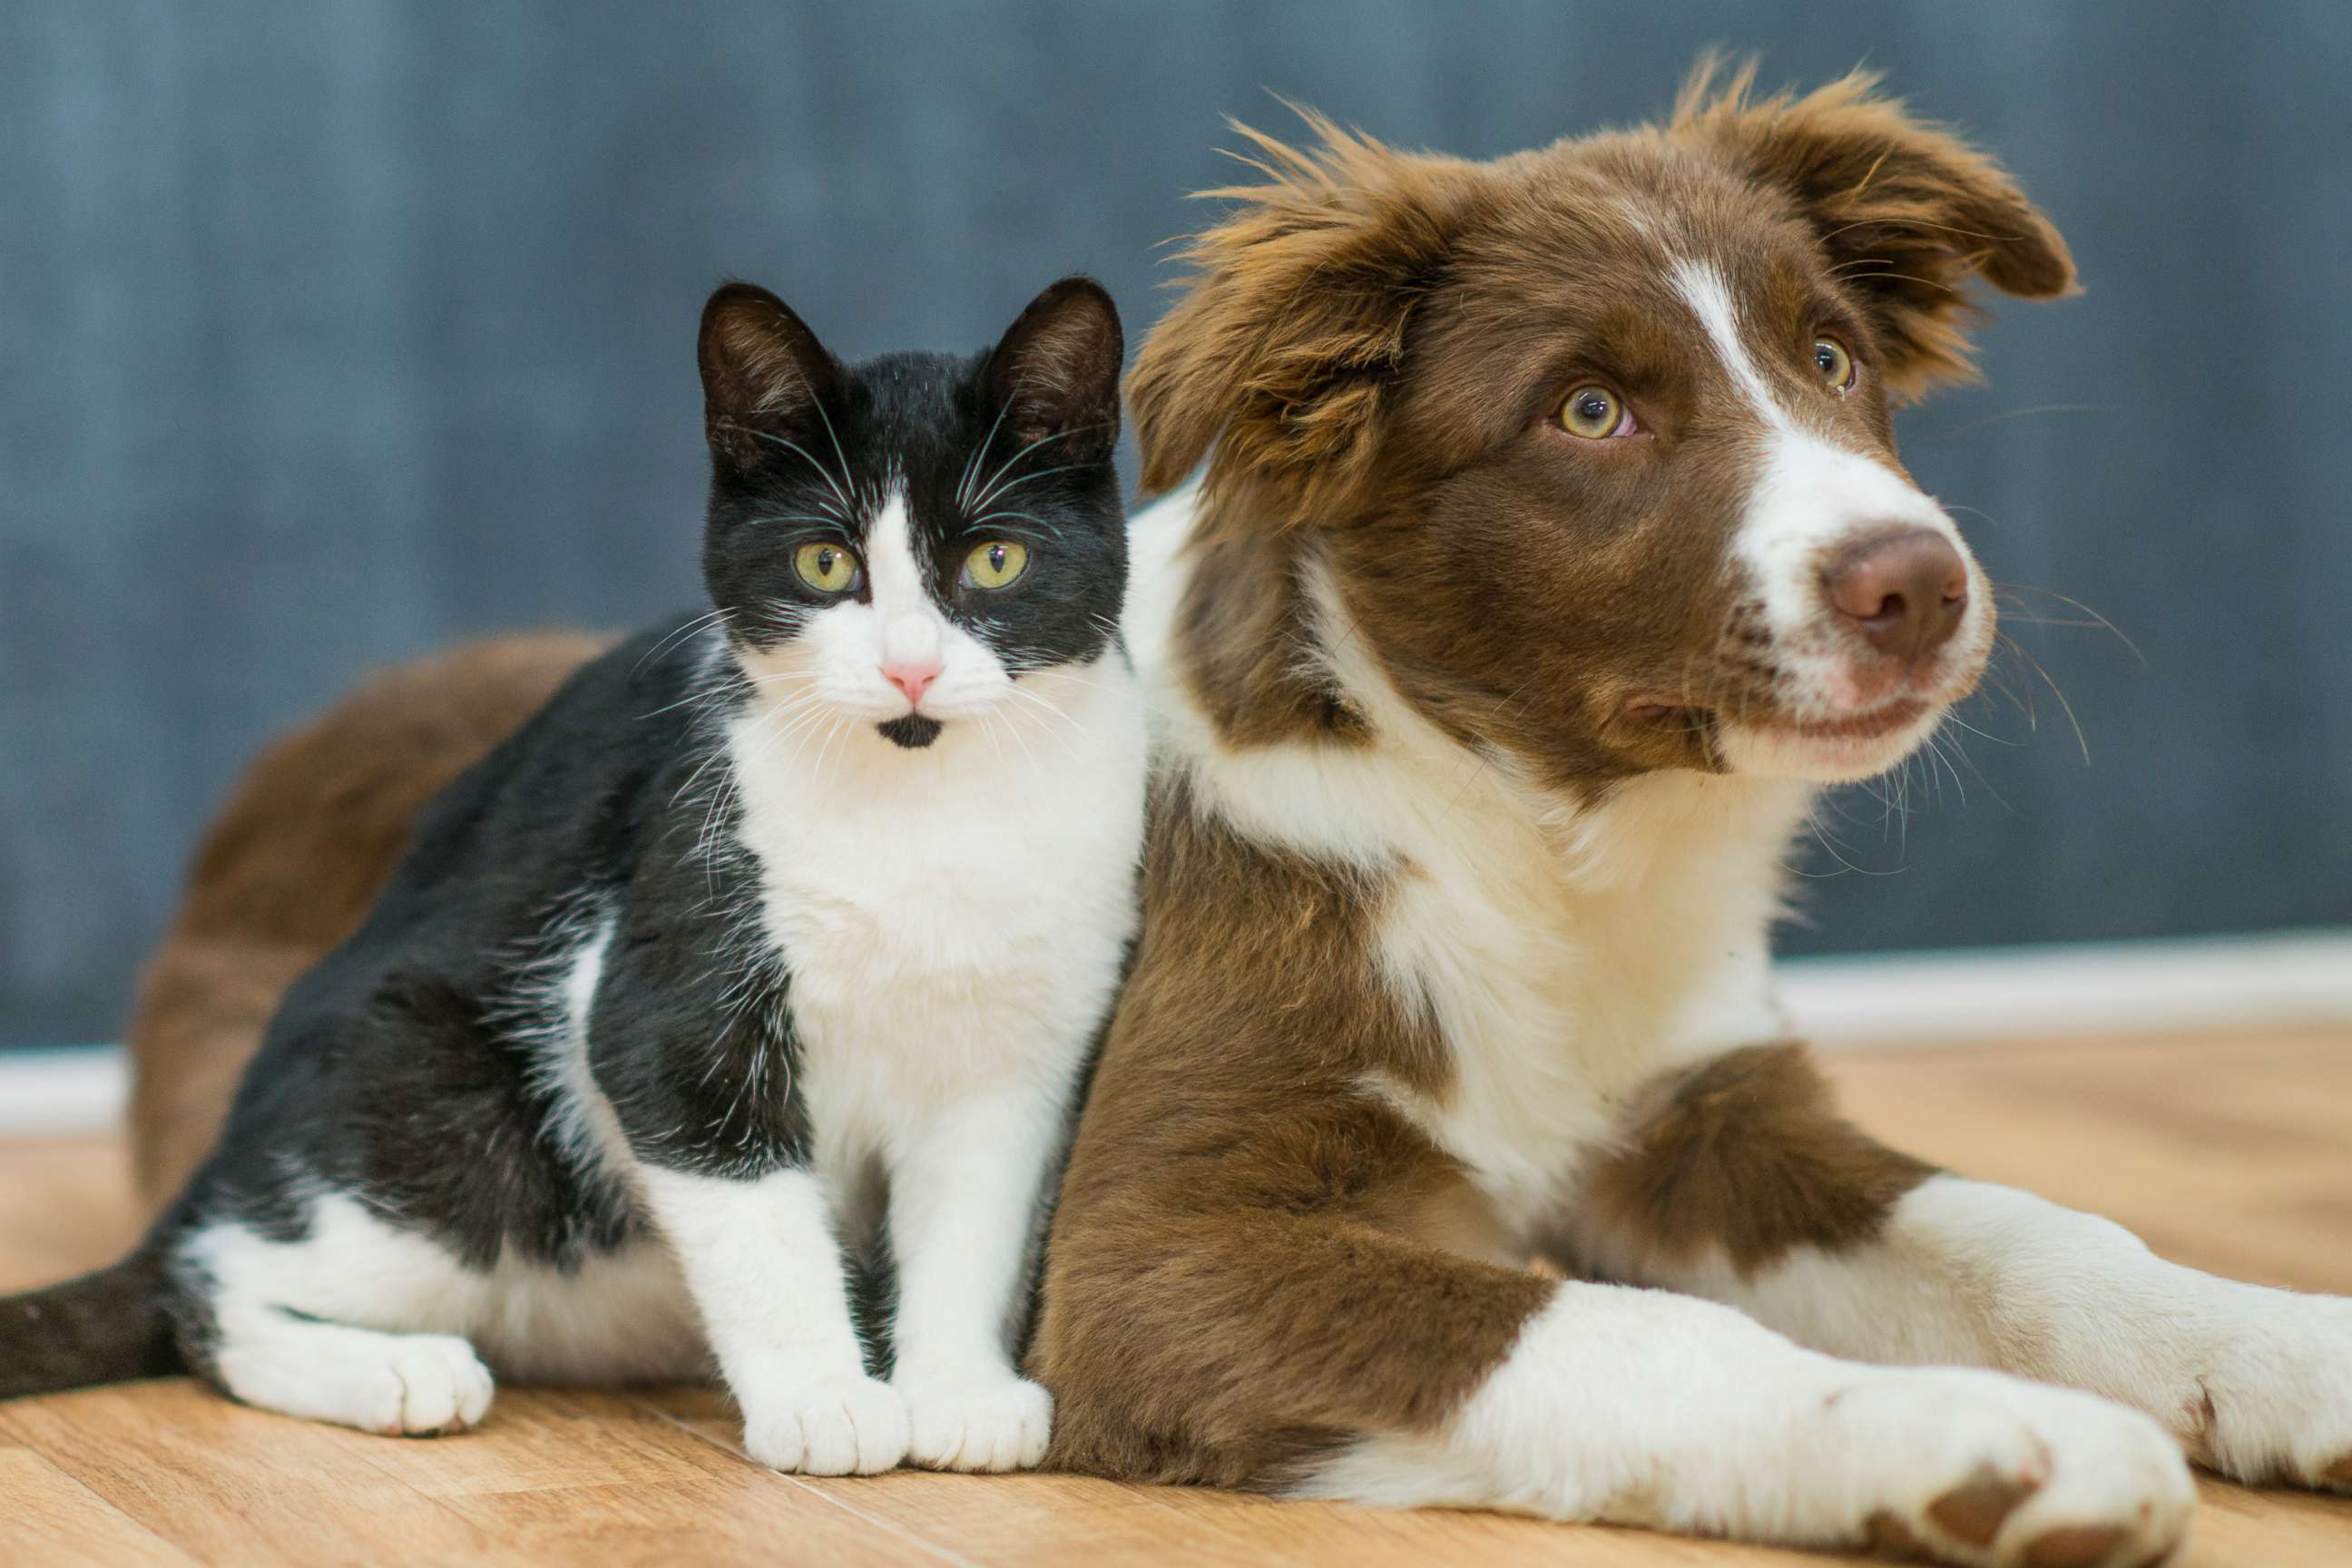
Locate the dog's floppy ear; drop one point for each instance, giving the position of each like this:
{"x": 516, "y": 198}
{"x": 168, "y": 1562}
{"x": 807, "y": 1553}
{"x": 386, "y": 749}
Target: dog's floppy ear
{"x": 1277, "y": 363}
{"x": 1906, "y": 211}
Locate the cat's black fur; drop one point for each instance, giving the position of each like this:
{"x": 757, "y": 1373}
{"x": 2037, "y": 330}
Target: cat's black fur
{"x": 401, "y": 1070}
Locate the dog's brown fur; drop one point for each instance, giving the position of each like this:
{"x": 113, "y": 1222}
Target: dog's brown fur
{"x": 1745, "y": 1156}
{"x": 1217, "y": 1189}
{"x": 1241, "y": 1271}
{"x": 291, "y": 863}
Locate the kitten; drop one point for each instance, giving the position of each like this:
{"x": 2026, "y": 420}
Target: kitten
{"x": 776, "y": 930}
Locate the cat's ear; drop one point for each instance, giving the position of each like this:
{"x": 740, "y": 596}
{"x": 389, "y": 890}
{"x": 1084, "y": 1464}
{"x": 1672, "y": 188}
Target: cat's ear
{"x": 765, "y": 377}
{"x": 1054, "y": 373}
{"x": 1906, "y": 213}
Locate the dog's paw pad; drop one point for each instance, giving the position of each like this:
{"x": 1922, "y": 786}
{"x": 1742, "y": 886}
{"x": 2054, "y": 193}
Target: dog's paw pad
{"x": 1975, "y": 1511}
{"x": 2074, "y": 1546}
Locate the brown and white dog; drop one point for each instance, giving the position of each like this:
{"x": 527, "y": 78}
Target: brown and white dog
{"x": 1551, "y": 545}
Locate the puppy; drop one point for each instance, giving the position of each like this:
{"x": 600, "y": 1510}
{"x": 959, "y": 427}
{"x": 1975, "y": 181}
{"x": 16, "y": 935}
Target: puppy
{"x": 1549, "y": 548}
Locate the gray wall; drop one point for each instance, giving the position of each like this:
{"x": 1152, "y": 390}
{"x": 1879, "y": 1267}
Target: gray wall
{"x": 331, "y": 331}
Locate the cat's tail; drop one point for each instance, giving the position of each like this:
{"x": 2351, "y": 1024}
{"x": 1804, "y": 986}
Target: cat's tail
{"x": 107, "y": 1326}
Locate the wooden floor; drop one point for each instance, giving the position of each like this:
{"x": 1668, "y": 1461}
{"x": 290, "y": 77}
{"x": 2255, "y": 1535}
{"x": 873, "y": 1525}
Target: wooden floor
{"x": 2230, "y": 1156}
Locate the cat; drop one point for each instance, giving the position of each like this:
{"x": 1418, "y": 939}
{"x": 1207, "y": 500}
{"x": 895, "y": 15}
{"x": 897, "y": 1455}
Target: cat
{"x": 771, "y": 952}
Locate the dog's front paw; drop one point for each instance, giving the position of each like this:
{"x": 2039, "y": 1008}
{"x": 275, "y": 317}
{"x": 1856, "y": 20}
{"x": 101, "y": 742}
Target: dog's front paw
{"x": 1981, "y": 1469}
{"x": 2273, "y": 1395}
{"x": 988, "y": 1420}
{"x": 843, "y": 1427}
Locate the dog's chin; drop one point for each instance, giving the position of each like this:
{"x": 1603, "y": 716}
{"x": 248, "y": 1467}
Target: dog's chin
{"x": 1835, "y": 751}
{"x": 911, "y": 732}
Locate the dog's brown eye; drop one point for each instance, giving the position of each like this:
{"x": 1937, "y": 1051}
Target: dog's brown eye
{"x": 1593, "y": 412}
{"x": 1835, "y": 364}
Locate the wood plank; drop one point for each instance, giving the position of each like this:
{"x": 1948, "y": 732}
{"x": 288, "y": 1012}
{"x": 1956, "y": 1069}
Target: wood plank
{"x": 53, "y": 1518}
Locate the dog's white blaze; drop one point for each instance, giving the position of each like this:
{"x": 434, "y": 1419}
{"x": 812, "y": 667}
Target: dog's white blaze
{"x": 1810, "y": 495}
{"x": 1709, "y": 298}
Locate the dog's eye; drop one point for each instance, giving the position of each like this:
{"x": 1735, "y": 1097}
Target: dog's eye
{"x": 1836, "y": 365}
{"x": 1594, "y": 413}
{"x": 827, "y": 568}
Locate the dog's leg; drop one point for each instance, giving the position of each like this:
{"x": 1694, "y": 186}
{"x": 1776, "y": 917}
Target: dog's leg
{"x": 1739, "y": 1183}
{"x": 1329, "y": 1358}
{"x": 1645, "y": 1407}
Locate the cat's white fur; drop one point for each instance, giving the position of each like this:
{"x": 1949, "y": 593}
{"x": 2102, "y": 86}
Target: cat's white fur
{"x": 955, "y": 920}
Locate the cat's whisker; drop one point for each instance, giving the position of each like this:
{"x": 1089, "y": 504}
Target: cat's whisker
{"x": 972, "y": 463}
{"x": 793, "y": 446}
{"x": 1018, "y": 480}
{"x": 994, "y": 488}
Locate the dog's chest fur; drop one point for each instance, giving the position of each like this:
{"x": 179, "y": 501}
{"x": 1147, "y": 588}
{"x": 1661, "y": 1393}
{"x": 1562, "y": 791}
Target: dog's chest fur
{"x": 1565, "y": 968}
{"x": 1565, "y": 953}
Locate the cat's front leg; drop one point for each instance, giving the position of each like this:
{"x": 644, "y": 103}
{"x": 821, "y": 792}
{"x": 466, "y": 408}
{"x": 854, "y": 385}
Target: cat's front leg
{"x": 964, "y": 1196}
{"x": 764, "y": 1267}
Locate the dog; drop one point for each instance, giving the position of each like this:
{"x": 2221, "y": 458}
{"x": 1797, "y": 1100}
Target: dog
{"x": 1536, "y": 547}
{"x": 1545, "y": 547}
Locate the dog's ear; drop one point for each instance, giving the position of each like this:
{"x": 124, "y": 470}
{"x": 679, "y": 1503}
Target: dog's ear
{"x": 1277, "y": 362}
{"x": 1907, "y": 212}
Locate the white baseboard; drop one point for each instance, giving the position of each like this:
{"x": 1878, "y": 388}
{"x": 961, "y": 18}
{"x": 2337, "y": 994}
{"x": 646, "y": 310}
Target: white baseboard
{"x": 2299, "y": 979}
{"x": 77, "y": 1088}
{"x": 2290, "y": 979}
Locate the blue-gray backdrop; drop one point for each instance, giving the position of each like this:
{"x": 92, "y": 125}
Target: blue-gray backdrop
{"x": 330, "y": 332}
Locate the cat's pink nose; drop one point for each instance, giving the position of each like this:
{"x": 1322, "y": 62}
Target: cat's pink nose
{"x": 913, "y": 678}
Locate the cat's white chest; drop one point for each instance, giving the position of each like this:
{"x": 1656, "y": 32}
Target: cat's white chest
{"x": 949, "y": 918}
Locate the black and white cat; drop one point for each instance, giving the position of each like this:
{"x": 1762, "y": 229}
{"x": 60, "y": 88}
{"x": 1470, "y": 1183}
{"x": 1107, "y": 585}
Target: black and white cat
{"x": 779, "y": 932}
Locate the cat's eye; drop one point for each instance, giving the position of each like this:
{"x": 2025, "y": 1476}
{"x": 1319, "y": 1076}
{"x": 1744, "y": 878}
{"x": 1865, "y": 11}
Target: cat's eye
{"x": 827, "y": 568}
{"x": 996, "y": 564}
{"x": 1834, "y": 363}
{"x": 1594, "y": 413}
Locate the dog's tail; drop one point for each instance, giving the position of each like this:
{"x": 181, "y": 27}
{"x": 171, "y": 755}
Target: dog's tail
{"x": 107, "y": 1326}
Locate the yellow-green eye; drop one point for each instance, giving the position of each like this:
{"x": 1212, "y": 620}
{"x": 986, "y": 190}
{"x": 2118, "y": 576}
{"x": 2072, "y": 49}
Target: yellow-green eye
{"x": 1835, "y": 366}
{"x": 1592, "y": 411}
{"x": 827, "y": 568}
{"x": 996, "y": 564}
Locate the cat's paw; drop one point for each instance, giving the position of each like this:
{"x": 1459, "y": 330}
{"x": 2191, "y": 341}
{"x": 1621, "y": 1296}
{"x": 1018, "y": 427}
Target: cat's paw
{"x": 846, "y": 1426}
{"x": 401, "y": 1385}
{"x": 989, "y": 1420}
{"x": 443, "y": 1387}
{"x": 1987, "y": 1470}
{"x": 2272, "y": 1395}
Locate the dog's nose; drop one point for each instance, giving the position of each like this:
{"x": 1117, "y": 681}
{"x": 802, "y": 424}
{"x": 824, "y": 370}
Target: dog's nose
{"x": 1904, "y": 593}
